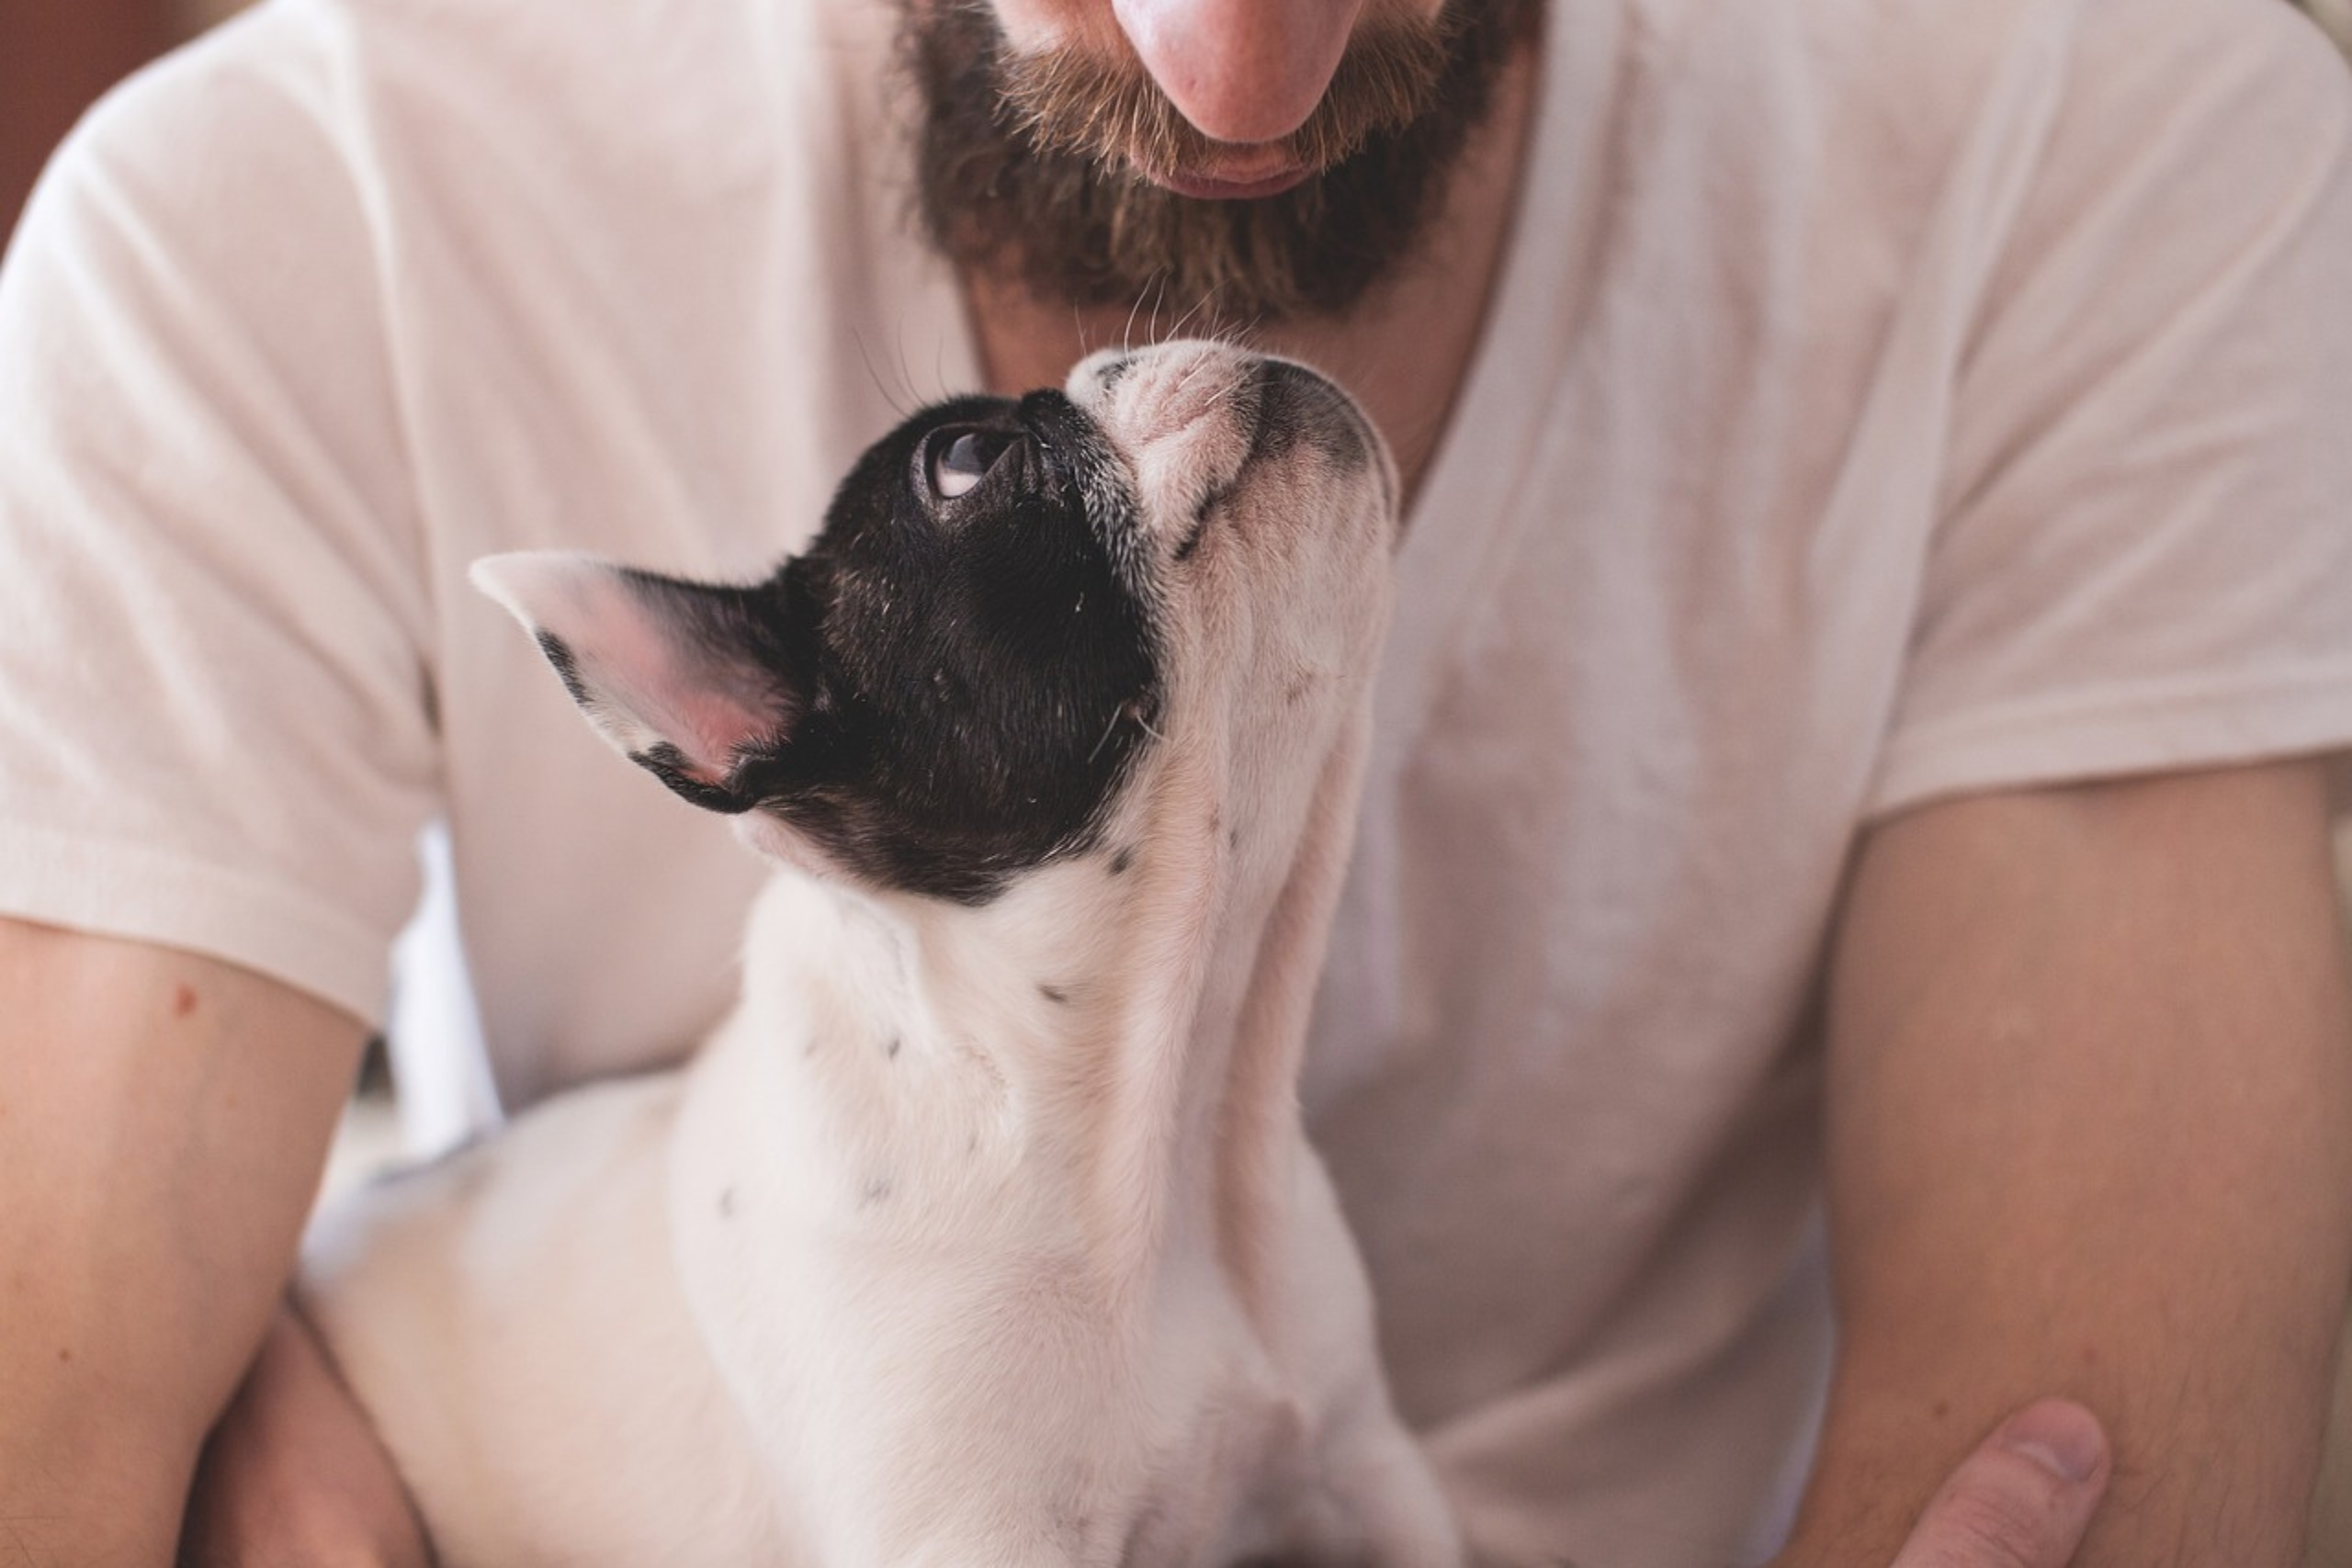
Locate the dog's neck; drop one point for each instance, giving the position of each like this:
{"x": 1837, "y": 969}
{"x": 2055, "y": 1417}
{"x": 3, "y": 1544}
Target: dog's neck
{"x": 1135, "y": 1014}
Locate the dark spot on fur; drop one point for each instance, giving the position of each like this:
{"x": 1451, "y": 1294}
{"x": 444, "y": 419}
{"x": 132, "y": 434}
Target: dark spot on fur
{"x": 669, "y": 764}
{"x": 1201, "y": 515}
{"x": 567, "y": 669}
{"x": 878, "y": 1191}
{"x": 891, "y": 1050}
{"x": 726, "y": 1205}
{"x": 1053, "y": 993}
{"x": 670, "y": 767}
{"x": 1232, "y": 839}
{"x": 1296, "y": 405}
{"x": 1122, "y": 862}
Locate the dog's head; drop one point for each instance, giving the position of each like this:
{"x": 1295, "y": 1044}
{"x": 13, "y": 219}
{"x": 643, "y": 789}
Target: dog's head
{"x": 1011, "y": 607}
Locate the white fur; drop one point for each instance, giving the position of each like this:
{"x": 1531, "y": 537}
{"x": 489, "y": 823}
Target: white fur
{"x": 915, "y": 1264}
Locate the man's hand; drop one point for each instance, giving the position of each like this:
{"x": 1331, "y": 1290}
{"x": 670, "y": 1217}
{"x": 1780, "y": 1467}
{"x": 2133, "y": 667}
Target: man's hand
{"x": 294, "y": 1474}
{"x": 2023, "y": 1500}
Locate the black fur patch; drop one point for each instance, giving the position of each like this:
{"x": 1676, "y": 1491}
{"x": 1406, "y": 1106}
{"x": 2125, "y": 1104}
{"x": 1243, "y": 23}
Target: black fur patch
{"x": 566, "y": 668}
{"x": 1295, "y": 404}
{"x": 666, "y": 762}
{"x": 969, "y": 678}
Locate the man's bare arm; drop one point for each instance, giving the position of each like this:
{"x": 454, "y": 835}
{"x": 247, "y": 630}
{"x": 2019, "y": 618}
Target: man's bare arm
{"x": 2090, "y": 1134}
{"x": 162, "y": 1121}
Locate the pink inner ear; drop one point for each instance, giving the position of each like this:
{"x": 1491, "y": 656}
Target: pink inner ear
{"x": 647, "y": 678}
{"x": 709, "y": 708}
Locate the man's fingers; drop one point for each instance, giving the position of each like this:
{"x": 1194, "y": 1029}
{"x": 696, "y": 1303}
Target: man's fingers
{"x": 294, "y": 1474}
{"x": 2023, "y": 1500}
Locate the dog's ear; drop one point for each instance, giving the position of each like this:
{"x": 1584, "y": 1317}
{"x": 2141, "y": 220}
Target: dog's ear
{"x": 685, "y": 678}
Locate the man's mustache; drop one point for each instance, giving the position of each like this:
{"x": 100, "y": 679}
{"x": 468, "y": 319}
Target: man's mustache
{"x": 1106, "y": 108}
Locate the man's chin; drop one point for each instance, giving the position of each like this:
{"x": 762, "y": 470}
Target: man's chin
{"x": 1221, "y": 187}
{"x": 1254, "y": 236}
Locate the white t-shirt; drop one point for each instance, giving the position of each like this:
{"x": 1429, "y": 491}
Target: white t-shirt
{"x": 1882, "y": 401}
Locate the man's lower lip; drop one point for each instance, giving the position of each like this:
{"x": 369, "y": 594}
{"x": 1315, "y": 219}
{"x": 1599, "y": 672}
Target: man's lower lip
{"x": 1201, "y": 189}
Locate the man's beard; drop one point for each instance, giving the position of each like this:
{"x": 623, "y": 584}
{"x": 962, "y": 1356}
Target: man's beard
{"x": 1027, "y": 167}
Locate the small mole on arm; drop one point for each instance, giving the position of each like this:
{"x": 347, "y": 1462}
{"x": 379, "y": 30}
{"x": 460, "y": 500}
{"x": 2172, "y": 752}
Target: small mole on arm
{"x": 182, "y": 1000}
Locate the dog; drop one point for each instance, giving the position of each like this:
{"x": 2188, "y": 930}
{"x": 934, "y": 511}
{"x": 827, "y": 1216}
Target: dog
{"x": 985, "y": 1232}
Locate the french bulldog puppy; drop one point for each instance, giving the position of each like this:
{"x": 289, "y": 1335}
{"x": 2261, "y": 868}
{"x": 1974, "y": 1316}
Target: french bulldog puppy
{"x": 984, "y": 1233}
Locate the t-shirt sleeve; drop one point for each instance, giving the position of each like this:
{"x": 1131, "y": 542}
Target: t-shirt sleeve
{"x": 2143, "y": 557}
{"x": 215, "y": 717}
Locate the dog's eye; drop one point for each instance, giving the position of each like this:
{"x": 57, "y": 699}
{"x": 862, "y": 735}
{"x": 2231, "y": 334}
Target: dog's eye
{"x": 960, "y": 459}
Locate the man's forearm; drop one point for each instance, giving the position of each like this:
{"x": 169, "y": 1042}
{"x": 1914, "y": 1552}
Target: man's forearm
{"x": 162, "y": 1122}
{"x": 2089, "y": 1137}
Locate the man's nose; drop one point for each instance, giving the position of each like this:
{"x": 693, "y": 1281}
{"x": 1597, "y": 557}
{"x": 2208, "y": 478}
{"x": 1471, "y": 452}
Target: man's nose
{"x": 1240, "y": 70}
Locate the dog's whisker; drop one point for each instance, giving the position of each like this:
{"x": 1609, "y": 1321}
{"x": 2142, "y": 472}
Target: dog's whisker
{"x": 1108, "y": 730}
{"x": 897, "y": 408}
{"x": 1201, "y": 306}
{"x": 1134, "y": 711}
{"x": 1127, "y": 333}
{"x": 906, "y": 367}
{"x": 1158, "y": 302}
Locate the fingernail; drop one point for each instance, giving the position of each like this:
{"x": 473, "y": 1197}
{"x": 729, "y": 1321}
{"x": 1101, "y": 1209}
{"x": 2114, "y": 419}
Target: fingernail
{"x": 2063, "y": 1438}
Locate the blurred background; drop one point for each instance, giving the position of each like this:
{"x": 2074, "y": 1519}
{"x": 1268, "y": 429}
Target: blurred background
{"x": 56, "y": 56}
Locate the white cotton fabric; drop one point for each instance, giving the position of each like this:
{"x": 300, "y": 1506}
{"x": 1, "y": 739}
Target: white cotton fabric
{"x": 1884, "y": 400}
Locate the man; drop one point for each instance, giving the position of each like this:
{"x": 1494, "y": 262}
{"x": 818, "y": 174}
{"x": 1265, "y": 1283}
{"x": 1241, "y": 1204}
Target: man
{"x": 1876, "y": 598}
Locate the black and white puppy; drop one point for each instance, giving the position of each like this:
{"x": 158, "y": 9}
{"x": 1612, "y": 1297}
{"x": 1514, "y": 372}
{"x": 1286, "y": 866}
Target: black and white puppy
{"x": 984, "y": 1233}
